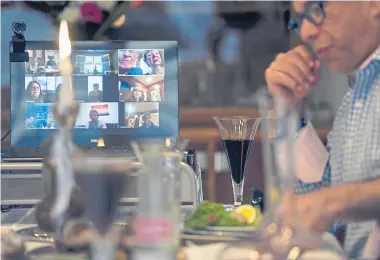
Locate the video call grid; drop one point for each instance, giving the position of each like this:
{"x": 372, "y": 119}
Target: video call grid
{"x": 97, "y": 91}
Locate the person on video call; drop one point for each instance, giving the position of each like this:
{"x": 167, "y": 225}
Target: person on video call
{"x": 137, "y": 94}
{"x": 29, "y": 122}
{"x": 147, "y": 121}
{"x": 33, "y": 65}
{"x": 95, "y": 123}
{"x": 95, "y": 95}
{"x": 127, "y": 63}
{"x": 154, "y": 60}
{"x": 58, "y": 89}
{"x": 51, "y": 62}
{"x": 343, "y": 183}
{"x": 33, "y": 92}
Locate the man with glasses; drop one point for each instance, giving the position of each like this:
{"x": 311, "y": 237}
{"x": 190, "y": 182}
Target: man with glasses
{"x": 345, "y": 190}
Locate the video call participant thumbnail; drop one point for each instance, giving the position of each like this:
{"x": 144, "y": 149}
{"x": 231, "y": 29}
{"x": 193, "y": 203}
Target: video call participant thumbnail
{"x": 93, "y": 62}
{"x": 95, "y": 122}
{"x": 39, "y": 116}
{"x": 42, "y": 63}
{"x": 142, "y": 115}
{"x": 155, "y": 61}
{"x": 34, "y": 92}
{"x": 95, "y": 89}
{"x": 53, "y": 86}
{"x": 128, "y": 63}
{"x": 141, "y": 88}
{"x": 97, "y": 116}
{"x": 132, "y": 93}
{"x": 95, "y": 94}
{"x": 81, "y": 88}
{"x": 141, "y": 62}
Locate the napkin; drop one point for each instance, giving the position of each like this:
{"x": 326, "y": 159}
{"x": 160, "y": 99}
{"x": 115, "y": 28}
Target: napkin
{"x": 371, "y": 249}
{"x": 311, "y": 155}
{"x": 213, "y": 252}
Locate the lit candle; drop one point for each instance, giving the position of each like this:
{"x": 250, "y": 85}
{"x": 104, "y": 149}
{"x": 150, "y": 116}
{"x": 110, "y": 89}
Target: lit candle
{"x": 66, "y": 93}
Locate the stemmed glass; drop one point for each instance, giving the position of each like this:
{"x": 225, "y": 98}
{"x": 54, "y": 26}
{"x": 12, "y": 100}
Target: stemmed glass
{"x": 102, "y": 181}
{"x": 237, "y": 133}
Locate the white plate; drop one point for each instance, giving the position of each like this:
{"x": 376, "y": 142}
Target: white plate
{"x": 230, "y": 229}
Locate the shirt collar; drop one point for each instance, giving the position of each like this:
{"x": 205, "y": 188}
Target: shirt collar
{"x": 375, "y": 56}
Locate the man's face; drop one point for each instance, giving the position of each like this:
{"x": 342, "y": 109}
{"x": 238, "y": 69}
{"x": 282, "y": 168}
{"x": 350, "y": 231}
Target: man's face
{"x": 96, "y": 87}
{"x": 147, "y": 120}
{"x": 127, "y": 59}
{"x": 153, "y": 58}
{"x": 94, "y": 116}
{"x": 343, "y": 40}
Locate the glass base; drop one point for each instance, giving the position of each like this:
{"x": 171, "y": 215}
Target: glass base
{"x": 229, "y": 207}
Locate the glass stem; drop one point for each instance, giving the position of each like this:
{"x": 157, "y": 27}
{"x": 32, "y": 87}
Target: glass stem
{"x": 102, "y": 248}
{"x": 237, "y": 189}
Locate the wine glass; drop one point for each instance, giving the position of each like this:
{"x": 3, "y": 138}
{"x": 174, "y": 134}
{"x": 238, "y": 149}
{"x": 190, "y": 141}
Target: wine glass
{"x": 279, "y": 236}
{"x": 102, "y": 181}
{"x": 237, "y": 133}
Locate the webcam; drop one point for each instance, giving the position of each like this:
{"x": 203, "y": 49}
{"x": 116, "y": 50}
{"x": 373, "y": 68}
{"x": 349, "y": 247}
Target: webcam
{"x": 19, "y": 27}
{"x": 18, "y": 53}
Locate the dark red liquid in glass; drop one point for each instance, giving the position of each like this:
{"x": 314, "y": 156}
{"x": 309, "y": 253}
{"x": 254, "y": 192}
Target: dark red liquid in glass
{"x": 237, "y": 152}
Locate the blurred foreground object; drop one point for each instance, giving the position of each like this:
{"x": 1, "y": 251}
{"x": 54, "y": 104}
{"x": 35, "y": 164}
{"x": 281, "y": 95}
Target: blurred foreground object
{"x": 280, "y": 236}
{"x": 88, "y": 20}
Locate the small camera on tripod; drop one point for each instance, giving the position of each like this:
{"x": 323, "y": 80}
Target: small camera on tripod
{"x": 18, "y": 53}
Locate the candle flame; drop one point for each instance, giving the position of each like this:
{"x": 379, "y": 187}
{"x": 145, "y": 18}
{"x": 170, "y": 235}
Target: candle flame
{"x": 167, "y": 142}
{"x": 64, "y": 41}
{"x": 100, "y": 142}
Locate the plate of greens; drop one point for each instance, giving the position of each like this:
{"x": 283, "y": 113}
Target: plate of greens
{"x": 212, "y": 217}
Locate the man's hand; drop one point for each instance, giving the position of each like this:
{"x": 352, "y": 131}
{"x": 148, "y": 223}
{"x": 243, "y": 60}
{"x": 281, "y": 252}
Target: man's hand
{"x": 312, "y": 211}
{"x": 293, "y": 74}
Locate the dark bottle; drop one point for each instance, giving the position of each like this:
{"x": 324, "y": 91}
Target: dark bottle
{"x": 257, "y": 199}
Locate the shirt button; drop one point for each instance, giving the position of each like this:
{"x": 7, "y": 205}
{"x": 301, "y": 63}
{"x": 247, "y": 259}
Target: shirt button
{"x": 349, "y": 143}
{"x": 358, "y": 104}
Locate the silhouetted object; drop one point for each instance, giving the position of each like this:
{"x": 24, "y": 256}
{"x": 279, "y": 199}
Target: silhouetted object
{"x": 88, "y": 20}
{"x": 237, "y": 15}
{"x": 241, "y": 15}
{"x": 76, "y": 207}
{"x": 257, "y": 199}
{"x": 286, "y": 18}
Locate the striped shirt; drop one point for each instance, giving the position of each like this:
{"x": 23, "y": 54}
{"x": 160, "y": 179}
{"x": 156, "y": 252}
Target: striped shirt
{"x": 354, "y": 146}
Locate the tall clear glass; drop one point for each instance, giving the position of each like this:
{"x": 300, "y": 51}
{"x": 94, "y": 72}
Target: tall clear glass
{"x": 102, "y": 181}
{"x": 279, "y": 236}
{"x": 157, "y": 223}
{"x": 237, "y": 134}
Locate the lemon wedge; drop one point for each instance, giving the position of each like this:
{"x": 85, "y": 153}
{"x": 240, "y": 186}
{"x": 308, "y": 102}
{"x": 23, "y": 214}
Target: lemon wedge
{"x": 249, "y": 212}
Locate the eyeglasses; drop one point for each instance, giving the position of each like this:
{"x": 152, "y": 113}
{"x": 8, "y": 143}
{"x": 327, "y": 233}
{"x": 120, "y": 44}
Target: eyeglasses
{"x": 314, "y": 12}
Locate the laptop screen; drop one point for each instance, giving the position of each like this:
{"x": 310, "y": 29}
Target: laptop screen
{"x": 124, "y": 90}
